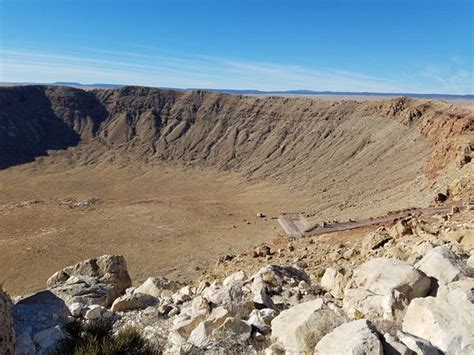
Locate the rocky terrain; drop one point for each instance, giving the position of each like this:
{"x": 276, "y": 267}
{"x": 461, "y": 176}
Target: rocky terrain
{"x": 190, "y": 186}
{"x": 115, "y": 172}
{"x": 405, "y": 288}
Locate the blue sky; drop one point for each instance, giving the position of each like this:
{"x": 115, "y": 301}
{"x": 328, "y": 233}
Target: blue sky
{"x": 419, "y": 46}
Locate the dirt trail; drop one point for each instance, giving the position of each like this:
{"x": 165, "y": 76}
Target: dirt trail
{"x": 294, "y": 227}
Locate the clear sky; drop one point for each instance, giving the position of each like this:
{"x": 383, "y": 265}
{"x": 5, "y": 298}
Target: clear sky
{"x": 419, "y": 46}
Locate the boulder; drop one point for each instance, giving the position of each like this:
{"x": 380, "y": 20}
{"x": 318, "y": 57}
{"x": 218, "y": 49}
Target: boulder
{"x": 374, "y": 241}
{"x": 467, "y": 243}
{"x": 167, "y": 294}
{"x": 418, "y": 345}
{"x": 231, "y": 297}
{"x": 234, "y": 329}
{"x": 442, "y": 264}
{"x": 191, "y": 315}
{"x": 39, "y": 311}
{"x": 261, "y": 319}
{"x": 400, "y": 250}
{"x": 235, "y": 278}
{"x": 136, "y": 300}
{"x": 275, "y": 275}
{"x": 48, "y": 339}
{"x": 419, "y": 250}
{"x": 108, "y": 269}
{"x": 272, "y": 286}
{"x": 454, "y": 235}
{"x": 335, "y": 280}
{"x": 356, "y": 337}
{"x": 199, "y": 306}
{"x": 260, "y": 294}
{"x": 7, "y": 330}
{"x": 462, "y": 289}
{"x": 299, "y": 328}
{"x": 229, "y": 338}
{"x": 202, "y": 334}
{"x": 262, "y": 251}
{"x": 86, "y": 290}
{"x": 216, "y": 293}
{"x": 401, "y": 228}
{"x": 95, "y": 281}
{"x": 202, "y": 286}
{"x": 182, "y": 328}
{"x": 175, "y": 341}
{"x": 76, "y": 309}
{"x": 184, "y": 294}
{"x": 24, "y": 345}
{"x": 381, "y": 288}
{"x": 470, "y": 266}
{"x": 154, "y": 286}
{"x": 93, "y": 312}
{"x": 392, "y": 346}
{"x": 447, "y": 321}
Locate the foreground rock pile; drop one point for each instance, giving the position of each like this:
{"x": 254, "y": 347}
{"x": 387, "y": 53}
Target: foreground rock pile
{"x": 407, "y": 289}
{"x": 7, "y": 334}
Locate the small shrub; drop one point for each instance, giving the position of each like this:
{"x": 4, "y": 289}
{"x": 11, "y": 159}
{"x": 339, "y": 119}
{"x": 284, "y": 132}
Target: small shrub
{"x": 97, "y": 339}
{"x": 129, "y": 339}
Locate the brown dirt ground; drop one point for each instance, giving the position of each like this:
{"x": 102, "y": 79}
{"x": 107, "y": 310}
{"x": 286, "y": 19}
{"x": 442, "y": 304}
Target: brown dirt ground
{"x": 165, "y": 220}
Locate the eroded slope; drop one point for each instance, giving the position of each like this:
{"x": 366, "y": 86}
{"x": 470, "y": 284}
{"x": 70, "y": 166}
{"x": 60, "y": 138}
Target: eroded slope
{"x": 337, "y": 152}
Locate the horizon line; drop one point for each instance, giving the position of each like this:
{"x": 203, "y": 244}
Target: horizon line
{"x": 238, "y": 91}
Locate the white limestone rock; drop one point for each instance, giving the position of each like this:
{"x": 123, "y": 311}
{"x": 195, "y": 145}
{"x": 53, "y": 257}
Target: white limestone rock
{"x": 93, "y": 312}
{"x": 299, "y": 328}
{"x": 334, "y": 281}
{"x": 418, "y": 345}
{"x": 235, "y": 278}
{"x": 384, "y": 286}
{"x": 76, "y": 309}
{"x": 261, "y": 319}
{"x": 356, "y": 337}
{"x": 446, "y": 321}
{"x": 442, "y": 264}
{"x": 133, "y": 301}
{"x": 202, "y": 334}
{"x": 154, "y": 286}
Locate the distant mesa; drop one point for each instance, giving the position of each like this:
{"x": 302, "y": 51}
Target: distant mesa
{"x": 295, "y": 92}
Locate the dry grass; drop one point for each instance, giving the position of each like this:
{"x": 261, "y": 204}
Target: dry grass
{"x": 98, "y": 339}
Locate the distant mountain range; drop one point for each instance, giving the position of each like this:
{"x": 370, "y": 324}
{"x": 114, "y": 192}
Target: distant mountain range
{"x": 261, "y": 92}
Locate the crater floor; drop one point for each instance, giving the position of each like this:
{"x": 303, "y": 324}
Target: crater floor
{"x": 165, "y": 220}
